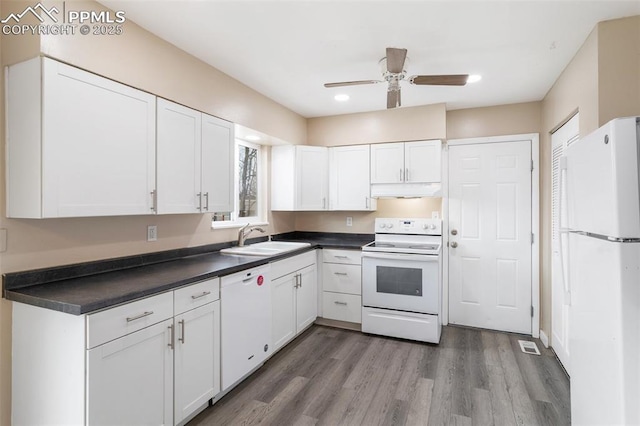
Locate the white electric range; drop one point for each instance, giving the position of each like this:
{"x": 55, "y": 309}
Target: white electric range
{"x": 402, "y": 279}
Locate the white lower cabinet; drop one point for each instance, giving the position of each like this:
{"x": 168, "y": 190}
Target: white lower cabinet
{"x": 132, "y": 364}
{"x": 196, "y": 359}
{"x": 130, "y": 379}
{"x": 294, "y": 297}
{"x": 342, "y": 285}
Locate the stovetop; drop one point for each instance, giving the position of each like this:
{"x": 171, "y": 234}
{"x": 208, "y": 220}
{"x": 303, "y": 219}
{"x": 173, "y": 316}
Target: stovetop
{"x": 413, "y": 236}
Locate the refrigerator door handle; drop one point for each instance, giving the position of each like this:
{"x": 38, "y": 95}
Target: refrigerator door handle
{"x": 562, "y": 231}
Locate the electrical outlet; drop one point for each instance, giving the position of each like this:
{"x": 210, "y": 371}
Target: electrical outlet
{"x": 435, "y": 215}
{"x": 152, "y": 233}
{"x": 349, "y": 221}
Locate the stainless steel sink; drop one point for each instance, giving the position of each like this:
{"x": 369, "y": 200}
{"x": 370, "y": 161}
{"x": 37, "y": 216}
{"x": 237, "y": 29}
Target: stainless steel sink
{"x": 266, "y": 248}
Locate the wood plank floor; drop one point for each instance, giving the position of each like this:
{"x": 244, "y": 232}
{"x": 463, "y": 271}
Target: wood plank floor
{"x": 330, "y": 376}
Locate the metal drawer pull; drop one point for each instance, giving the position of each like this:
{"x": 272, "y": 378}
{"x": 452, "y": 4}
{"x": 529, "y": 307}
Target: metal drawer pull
{"x": 206, "y": 197}
{"x": 340, "y": 303}
{"x": 145, "y": 314}
{"x": 172, "y": 337}
{"x": 199, "y": 195}
{"x": 341, "y": 257}
{"x": 246, "y": 280}
{"x": 341, "y": 273}
{"x": 181, "y": 339}
{"x": 198, "y": 296}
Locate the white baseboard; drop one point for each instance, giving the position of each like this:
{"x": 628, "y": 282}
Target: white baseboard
{"x": 544, "y": 339}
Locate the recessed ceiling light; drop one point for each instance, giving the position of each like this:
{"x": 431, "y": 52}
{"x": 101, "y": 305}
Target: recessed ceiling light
{"x": 253, "y": 137}
{"x": 341, "y": 97}
{"x": 474, "y": 78}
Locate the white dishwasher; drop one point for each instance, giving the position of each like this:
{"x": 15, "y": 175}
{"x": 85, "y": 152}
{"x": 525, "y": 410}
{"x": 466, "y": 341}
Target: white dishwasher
{"x": 246, "y": 322}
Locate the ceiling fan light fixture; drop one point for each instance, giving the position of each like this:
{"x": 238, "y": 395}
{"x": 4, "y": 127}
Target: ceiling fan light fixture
{"x": 474, "y": 78}
{"x": 341, "y": 97}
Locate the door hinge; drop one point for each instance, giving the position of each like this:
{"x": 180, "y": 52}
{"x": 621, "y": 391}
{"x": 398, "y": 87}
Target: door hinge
{"x": 531, "y": 311}
{"x": 531, "y": 165}
{"x": 532, "y": 238}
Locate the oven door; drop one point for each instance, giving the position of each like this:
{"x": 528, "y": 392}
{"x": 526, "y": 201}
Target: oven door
{"x": 405, "y": 282}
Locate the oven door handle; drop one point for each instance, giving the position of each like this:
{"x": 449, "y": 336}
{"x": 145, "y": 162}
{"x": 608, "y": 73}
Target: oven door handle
{"x": 401, "y": 256}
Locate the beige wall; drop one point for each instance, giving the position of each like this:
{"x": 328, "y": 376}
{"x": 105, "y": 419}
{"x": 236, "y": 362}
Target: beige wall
{"x": 392, "y": 125}
{"x": 494, "y": 121}
{"x": 618, "y": 69}
{"x": 363, "y": 221}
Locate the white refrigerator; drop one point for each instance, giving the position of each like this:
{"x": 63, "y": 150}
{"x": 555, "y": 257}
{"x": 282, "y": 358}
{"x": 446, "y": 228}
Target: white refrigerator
{"x": 600, "y": 184}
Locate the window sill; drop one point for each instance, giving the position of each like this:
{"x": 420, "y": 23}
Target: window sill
{"x": 236, "y": 225}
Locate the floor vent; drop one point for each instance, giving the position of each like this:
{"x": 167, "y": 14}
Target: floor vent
{"x": 529, "y": 347}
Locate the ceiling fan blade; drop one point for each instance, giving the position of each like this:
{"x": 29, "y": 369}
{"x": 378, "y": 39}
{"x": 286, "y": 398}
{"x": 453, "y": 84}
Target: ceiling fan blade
{"x": 440, "y": 80}
{"x": 395, "y": 59}
{"x": 351, "y": 83}
{"x": 393, "y": 99}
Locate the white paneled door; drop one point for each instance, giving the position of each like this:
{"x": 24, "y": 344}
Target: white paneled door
{"x": 490, "y": 240}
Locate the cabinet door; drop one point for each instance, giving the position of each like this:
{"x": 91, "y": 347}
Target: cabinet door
{"x": 387, "y": 163}
{"x": 130, "y": 379}
{"x": 311, "y": 178}
{"x": 306, "y": 298}
{"x": 283, "y": 298}
{"x": 422, "y": 161}
{"x": 98, "y": 149}
{"x": 350, "y": 186}
{"x": 217, "y": 164}
{"x": 179, "y": 158}
{"x": 197, "y": 359}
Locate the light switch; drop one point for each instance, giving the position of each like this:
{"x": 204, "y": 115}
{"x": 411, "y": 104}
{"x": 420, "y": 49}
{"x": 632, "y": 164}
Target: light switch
{"x": 349, "y": 221}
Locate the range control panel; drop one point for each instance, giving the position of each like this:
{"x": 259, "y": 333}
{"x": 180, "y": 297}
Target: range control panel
{"x": 409, "y": 226}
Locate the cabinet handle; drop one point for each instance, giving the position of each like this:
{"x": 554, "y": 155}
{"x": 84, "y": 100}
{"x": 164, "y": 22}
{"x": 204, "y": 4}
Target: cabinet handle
{"x": 340, "y": 303}
{"x": 246, "y": 280}
{"x": 154, "y": 200}
{"x": 206, "y": 198}
{"x": 171, "y": 336}
{"x": 181, "y": 339}
{"x": 366, "y": 202}
{"x": 142, "y": 315}
{"x": 324, "y": 203}
{"x": 198, "y": 296}
{"x": 199, "y": 195}
{"x": 341, "y": 257}
{"x": 406, "y": 175}
{"x": 400, "y": 175}
{"x": 341, "y": 273}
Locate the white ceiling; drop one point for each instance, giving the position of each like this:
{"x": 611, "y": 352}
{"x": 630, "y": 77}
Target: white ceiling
{"x": 286, "y": 50}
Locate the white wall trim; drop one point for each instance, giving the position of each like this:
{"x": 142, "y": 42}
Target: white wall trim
{"x": 535, "y": 220}
{"x": 544, "y": 339}
{"x": 444, "y": 317}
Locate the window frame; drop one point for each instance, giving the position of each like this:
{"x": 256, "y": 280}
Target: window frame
{"x": 260, "y": 219}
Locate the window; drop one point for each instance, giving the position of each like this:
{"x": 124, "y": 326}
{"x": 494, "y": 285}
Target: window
{"x": 248, "y": 198}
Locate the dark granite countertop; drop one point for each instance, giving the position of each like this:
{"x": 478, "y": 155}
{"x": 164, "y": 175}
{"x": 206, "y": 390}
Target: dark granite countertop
{"x": 87, "y": 287}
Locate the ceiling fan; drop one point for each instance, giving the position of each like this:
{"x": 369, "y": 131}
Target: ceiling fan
{"x": 395, "y": 72}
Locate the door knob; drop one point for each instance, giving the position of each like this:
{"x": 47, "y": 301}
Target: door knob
{"x": 454, "y": 232}
{"x": 454, "y": 244}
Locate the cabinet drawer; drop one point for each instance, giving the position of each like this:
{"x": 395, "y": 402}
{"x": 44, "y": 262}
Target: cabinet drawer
{"x": 194, "y": 295}
{"x": 283, "y": 267}
{"x": 341, "y": 307}
{"x": 352, "y": 257}
{"x": 342, "y": 278}
{"x": 116, "y": 322}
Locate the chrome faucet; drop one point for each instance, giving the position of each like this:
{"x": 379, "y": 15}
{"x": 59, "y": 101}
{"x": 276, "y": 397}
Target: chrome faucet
{"x": 244, "y": 232}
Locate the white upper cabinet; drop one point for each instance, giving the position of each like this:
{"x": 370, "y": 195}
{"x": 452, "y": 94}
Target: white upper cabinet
{"x": 299, "y": 178}
{"x": 77, "y": 144}
{"x": 217, "y": 164}
{"x": 349, "y": 183}
{"x": 179, "y": 160}
{"x": 406, "y": 169}
{"x": 195, "y": 161}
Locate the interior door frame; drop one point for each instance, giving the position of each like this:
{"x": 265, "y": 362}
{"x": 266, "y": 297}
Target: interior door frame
{"x": 534, "y": 138}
